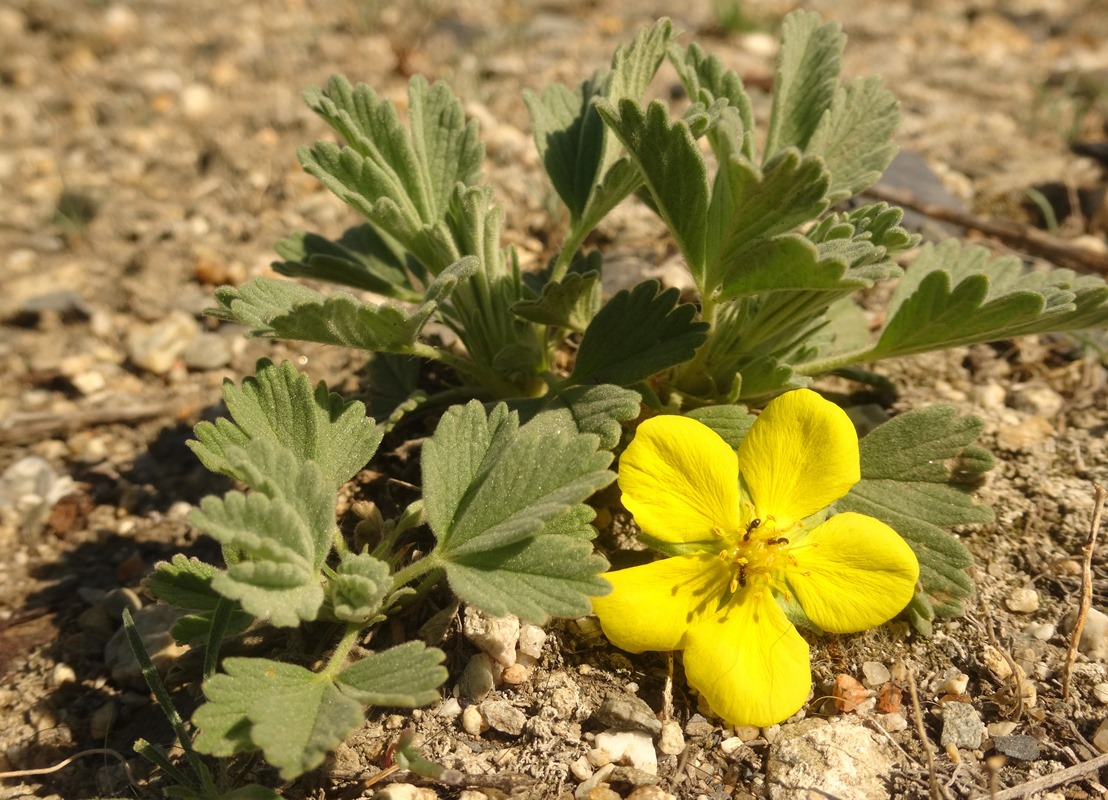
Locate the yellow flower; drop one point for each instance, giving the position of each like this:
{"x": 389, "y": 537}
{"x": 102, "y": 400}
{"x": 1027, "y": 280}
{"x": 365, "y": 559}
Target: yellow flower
{"x": 744, "y": 526}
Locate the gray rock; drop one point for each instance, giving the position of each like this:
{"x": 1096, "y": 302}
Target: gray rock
{"x": 477, "y": 678}
{"x": 1018, "y": 746}
{"x": 503, "y": 716}
{"x": 828, "y": 759}
{"x": 156, "y": 347}
{"x": 207, "y": 351}
{"x": 497, "y": 636}
{"x": 962, "y": 726}
{"x": 625, "y": 712}
{"x": 153, "y": 624}
{"x": 29, "y": 490}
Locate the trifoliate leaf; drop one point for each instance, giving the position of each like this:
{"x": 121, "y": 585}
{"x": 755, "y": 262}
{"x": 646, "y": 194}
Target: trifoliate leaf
{"x": 954, "y": 295}
{"x": 672, "y": 167}
{"x": 407, "y": 676}
{"x": 916, "y": 478}
{"x": 749, "y": 207}
{"x": 294, "y": 716}
{"x": 576, "y": 149}
{"x": 402, "y": 182}
{"x": 279, "y": 405}
{"x": 804, "y": 85}
{"x": 490, "y": 488}
{"x": 570, "y": 303}
{"x": 488, "y": 482}
{"x": 706, "y": 80}
{"x": 637, "y": 334}
{"x": 283, "y": 529}
{"x": 361, "y": 259}
{"x": 591, "y": 409}
{"x": 286, "y": 310}
{"x": 359, "y": 587}
{"x": 183, "y": 582}
{"x": 854, "y": 137}
{"x": 534, "y": 579}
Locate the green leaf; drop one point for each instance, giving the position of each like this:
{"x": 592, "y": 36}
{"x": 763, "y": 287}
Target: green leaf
{"x": 706, "y": 80}
{"x": 750, "y": 207}
{"x": 729, "y": 421}
{"x": 283, "y": 529}
{"x": 361, "y": 259}
{"x": 672, "y": 167}
{"x": 591, "y": 409}
{"x": 805, "y": 82}
{"x": 392, "y": 385}
{"x": 576, "y": 149}
{"x": 491, "y": 487}
{"x": 286, "y": 310}
{"x": 918, "y": 471}
{"x": 359, "y": 587}
{"x": 294, "y": 716}
{"x": 183, "y": 582}
{"x": 954, "y": 295}
{"x": 279, "y": 405}
{"x": 402, "y": 182}
{"x": 406, "y": 676}
{"x": 638, "y": 333}
{"x": 569, "y": 303}
{"x": 854, "y": 137}
{"x": 534, "y": 579}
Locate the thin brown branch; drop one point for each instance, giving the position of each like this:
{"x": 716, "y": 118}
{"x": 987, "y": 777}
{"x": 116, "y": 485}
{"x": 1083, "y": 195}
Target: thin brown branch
{"x": 1030, "y": 240}
{"x": 1053, "y": 779}
{"x": 95, "y": 751}
{"x": 937, "y": 791}
{"x": 31, "y": 427}
{"x": 1086, "y": 588}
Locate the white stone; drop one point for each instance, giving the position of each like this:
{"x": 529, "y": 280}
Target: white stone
{"x": 497, "y": 636}
{"x": 875, "y": 674}
{"x": 1042, "y": 631}
{"x": 62, "y": 674}
{"x": 633, "y": 748}
{"x": 472, "y": 722}
{"x": 531, "y": 640}
{"x": 996, "y": 662}
{"x": 581, "y": 769}
{"x": 1100, "y": 692}
{"x": 1001, "y": 728}
{"x": 1100, "y": 738}
{"x": 671, "y": 741}
{"x": 585, "y": 790}
{"x": 955, "y": 684}
{"x": 747, "y": 733}
{"x": 828, "y": 759}
{"x": 731, "y": 745}
{"x": 892, "y": 723}
{"x": 405, "y": 791}
{"x": 449, "y": 708}
{"x": 1022, "y": 601}
{"x": 1094, "y": 637}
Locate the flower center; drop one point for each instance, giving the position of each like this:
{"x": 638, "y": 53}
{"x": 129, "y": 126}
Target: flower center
{"x": 755, "y": 551}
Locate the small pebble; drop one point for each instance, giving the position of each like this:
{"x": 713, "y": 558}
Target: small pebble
{"x": 516, "y": 675}
{"x": 670, "y": 741}
{"x": 497, "y": 636}
{"x": 892, "y": 722}
{"x": 1100, "y": 738}
{"x": 449, "y": 708}
{"x": 472, "y": 722}
{"x": 1002, "y": 728}
{"x": 477, "y": 679}
{"x": 875, "y": 674}
{"x": 1040, "y": 630}
{"x": 62, "y": 674}
{"x": 598, "y": 757}
{"x": 698, "y": 727}
{"x": 156, "y": 347}
{"x": 103, "y": 719}
{"x": 771, "y": 732}
{"x": 729, "y": 746}
{"x": 405, "y": 791}
{"x": 962, "y": 726}
{"x": 206, "y": 352}
{"x": 650, "y": 791}
{"x": 747, "y": 733}
{"x": 531, "y": 640}
{"x": 996, "y": 662}
{"x": 955, "y": 684}
{"x": 588, "y": 790}
{"x": 1022, "y": 601}
{"x": 1019, "y": 746}
{"x": 581, "y": 769}
{"x": 633, "y": 748}
{"x": 1094, "y": 636}
{"x": 503, "y": 716}
{"x": 1100, "y": 692}
{"x": 629, "y": 713}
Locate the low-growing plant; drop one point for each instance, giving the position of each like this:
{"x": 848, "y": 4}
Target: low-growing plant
{"x": 552, "y": 373}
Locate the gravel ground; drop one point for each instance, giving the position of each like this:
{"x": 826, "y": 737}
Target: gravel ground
{"x": 149, "y": 156}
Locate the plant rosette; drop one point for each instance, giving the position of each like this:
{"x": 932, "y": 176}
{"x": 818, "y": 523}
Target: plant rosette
{"x": 752, "y": 550}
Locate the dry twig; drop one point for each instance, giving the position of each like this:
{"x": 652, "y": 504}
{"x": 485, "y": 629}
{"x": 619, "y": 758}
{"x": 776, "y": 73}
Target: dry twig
{"x": 1030, "y": 240}
{"x": 95, "y": 751}
{"x": 937, "y": 791}
{"x": 31, "y": 427}
{"x": 1086, "y": 588}
{"x": 1052, "y": 780}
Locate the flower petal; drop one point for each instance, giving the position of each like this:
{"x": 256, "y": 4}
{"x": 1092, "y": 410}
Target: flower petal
{"x": 852, "y": 573}
{"x": 680, "y": 480}
{"x": 749, "y": 663}
{"x": 800, "y": 456}
{"x": 651, "y": 606}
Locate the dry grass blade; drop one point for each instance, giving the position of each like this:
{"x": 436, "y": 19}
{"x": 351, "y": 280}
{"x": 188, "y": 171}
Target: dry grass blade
{"x": 1086, "y": 588}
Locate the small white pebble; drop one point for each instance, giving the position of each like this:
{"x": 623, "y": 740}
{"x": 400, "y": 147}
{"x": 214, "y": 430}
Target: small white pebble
{"x": 771, "y": 733}
{"x": 875, "y": 674}
{"x": 449, "y": 708}
{"x": 1100, "y": 738}
{"x": 472, "y": 722}
{"x": 581, "y": 769}
{"x": 955, "y": 684}
{"x": 729, "y": 746}
{"x": 633, "y": 748}
{"x": 1022, "y": 601}
{"x": 1002, "y": 728}
{"x": 996, "y": 662}
{"x": 531, "y": 640}
{"x": 1100, "y": 692}
{"x": 598, "y": 757}
{"x": 747, "y": 733}
{"x": 62, "y": 673}
{"x": 1040, "y": 630}
{"x": 892, "y": 722}
{"x": 671, "y": 741}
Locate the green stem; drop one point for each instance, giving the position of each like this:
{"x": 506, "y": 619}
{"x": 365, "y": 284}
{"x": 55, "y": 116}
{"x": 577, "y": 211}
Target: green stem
{"x": 342, "y": 650}
{"x": 575, "y": 237}
{"x": 415, "y": 570}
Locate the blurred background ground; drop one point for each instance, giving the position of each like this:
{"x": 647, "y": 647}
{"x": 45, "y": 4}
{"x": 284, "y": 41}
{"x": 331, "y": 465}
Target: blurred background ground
{"x": 148, "y": 155}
